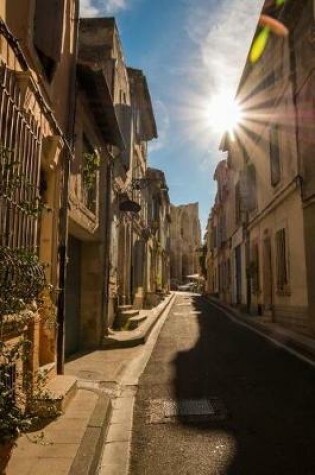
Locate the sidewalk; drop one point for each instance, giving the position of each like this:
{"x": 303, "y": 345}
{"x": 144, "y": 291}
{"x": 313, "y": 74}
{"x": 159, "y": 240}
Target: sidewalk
{"x": 106, "y": 381}
{"x": 304, "y": 345}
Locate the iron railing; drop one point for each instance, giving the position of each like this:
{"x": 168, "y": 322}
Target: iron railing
{"x": 21, "y": 277}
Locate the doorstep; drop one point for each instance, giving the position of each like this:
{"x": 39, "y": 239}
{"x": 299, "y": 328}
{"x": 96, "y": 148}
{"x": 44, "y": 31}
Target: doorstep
{"x": 138, "y": 336}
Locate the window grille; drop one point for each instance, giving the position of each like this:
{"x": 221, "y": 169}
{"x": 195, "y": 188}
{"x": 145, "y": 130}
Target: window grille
{"x": 20, "y": 148}
{"x": 21, "y": 277}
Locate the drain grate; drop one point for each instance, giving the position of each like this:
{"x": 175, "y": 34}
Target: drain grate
{"x": 162, "y": 411}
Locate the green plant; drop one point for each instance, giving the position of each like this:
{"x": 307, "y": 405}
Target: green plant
{"x": 22, "y": 392}
{"x": 22, "y": 281}
{"x": 91, "y": 164}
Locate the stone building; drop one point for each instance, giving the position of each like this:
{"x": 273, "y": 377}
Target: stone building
{"x": 268, "y": 257}
{"x": 98, "y": 142}
{"x": 185, "y": 242}
{"x": 36, "y": 133}
{"x": 143, "y": 130}
{"x": 158, "y": 237}
{"x": 116, "y": 103}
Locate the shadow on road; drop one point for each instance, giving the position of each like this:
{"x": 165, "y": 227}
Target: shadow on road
{"x": 269, "y": 396}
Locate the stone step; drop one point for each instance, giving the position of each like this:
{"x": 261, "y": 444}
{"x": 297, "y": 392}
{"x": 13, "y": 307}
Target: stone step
{"x": 122, "y": 308}
{"x": 55, "y": 396}
{"x": 130, "y": 313}
{"x": 123, "y": 318}
{"x": 134, "y": 322}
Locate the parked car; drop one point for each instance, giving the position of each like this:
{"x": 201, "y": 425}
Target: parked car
{"x": 189, "y": 287}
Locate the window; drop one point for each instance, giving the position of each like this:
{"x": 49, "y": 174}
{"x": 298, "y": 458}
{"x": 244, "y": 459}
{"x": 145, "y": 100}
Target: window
{"x": 90, "y": 167}
{"x": 275, "y": 172}
{"x": 254, "y": 270}
{"x": 251, "y": 181}
{"x": 282, "y": 261}
{"x": 228, "y": 273}
{"x": 48, "y": 34}
{"x": 238, "y": 211}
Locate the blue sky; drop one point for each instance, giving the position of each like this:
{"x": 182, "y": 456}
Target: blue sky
{"x": 190, "y": 51}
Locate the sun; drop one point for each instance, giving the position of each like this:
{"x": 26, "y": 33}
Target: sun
{"x": 223, "y": 113}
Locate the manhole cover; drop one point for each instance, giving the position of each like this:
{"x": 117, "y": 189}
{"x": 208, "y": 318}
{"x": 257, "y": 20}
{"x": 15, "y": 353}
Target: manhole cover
{"x": 162, "y": 411}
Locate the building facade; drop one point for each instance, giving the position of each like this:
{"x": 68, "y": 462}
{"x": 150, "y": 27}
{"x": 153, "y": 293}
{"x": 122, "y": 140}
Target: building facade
{"x": 185, "y": 242}
{"x": 98, "y": 141}
{"x": 264, "y": 246}
{"x": 36, "y": 136}
{"x": 158, "y": 238}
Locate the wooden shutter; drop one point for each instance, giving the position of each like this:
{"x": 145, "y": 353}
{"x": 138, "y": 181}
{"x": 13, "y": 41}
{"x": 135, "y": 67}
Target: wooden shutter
{"x": 274, "y": 156}
{"x": 48, "y": 27}
{"x": 282, "y": 271}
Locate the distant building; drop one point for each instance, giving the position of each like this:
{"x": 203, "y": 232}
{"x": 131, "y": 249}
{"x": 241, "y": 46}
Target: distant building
{"x": 185, "y": 242}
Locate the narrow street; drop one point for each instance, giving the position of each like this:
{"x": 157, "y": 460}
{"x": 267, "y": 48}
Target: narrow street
{"x": 266, "y": 400}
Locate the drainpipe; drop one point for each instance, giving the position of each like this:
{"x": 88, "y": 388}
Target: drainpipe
{"x": 63, "y": 216}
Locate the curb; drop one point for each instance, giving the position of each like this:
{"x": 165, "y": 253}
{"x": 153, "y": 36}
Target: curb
{"x": 89, "y": 452}
{"x": 138, "y": 336}
{"x": 285, "y": 337}
{"x": 115, "y": 458}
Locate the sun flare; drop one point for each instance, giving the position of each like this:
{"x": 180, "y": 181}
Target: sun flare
{"x": 223, "y": 113}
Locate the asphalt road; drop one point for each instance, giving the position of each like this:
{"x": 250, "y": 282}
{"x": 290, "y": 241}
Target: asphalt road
{"x": 268, "y": 395}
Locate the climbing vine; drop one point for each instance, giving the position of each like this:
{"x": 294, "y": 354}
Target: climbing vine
{"x": 23, "y": 301}
{"x": 91, "y": 164}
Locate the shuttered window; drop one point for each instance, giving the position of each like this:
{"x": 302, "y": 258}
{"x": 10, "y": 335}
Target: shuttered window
{"x": 255, "y": 268}
{"x": 275, "y": 171}
{"x": 48, "y": 32}
{"x": 282, "y": 261}
{"x": 237, "y": 204}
